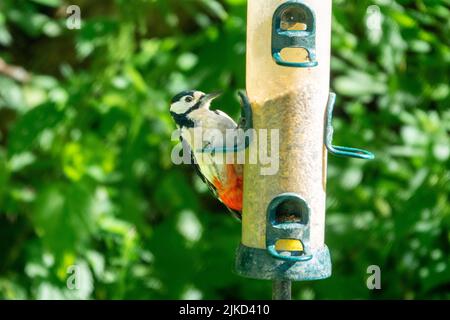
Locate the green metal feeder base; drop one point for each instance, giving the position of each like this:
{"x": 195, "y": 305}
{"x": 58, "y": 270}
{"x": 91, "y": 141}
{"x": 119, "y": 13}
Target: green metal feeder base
{"x": 259, "y": 264}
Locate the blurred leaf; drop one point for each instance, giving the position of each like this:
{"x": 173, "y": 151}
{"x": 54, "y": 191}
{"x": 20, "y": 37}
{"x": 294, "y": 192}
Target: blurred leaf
{"x": 50, "y": 3}
{"x": 10, "y": 94}
{"x": 31, "y": 125}
{"x": 357, "y": 83}
{"x": 63, "y": 207}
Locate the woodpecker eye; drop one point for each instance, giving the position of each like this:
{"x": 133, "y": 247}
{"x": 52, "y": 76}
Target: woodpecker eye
{"x": 189, "y": 99}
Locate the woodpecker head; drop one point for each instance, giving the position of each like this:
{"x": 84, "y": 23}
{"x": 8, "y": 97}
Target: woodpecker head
{"x": 187, "y": 101}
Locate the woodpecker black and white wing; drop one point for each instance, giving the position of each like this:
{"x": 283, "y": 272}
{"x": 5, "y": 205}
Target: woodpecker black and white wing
{"x": 225, "y": 122}
{"x": 209, "y": 171}
{"x": 197, "y": 169}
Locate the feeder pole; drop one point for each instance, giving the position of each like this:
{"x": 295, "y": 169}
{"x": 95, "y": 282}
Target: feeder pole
{"x": 281, "y": 290}
{"x": 290, "y": 98}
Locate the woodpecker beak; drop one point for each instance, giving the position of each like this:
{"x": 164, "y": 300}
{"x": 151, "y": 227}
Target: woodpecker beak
{"x": 208, "y": 98}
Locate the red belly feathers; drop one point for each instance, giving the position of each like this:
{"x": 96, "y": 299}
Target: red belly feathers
{"x": 231, "y": 192}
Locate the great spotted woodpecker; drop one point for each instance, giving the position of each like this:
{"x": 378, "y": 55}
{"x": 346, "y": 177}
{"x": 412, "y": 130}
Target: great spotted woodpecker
{"x": 191, "y": 112}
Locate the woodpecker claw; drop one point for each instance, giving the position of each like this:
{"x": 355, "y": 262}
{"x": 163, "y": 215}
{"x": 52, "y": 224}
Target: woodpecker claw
{"x": 246, "y": 121}
{"x": 206, "y": 148}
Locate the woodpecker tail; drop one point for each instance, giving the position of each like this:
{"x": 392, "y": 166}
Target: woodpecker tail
{"x": 236, "y": 214}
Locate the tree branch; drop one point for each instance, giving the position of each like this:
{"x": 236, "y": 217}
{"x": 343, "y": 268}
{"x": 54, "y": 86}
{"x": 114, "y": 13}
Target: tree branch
{"x": 19, "y": 74}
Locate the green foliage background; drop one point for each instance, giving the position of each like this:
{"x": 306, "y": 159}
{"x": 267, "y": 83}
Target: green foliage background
{"x": 86, "y": 177}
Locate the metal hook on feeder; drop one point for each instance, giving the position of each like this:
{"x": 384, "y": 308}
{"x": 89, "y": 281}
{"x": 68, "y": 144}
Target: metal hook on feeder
{"x": 329, "y": 130}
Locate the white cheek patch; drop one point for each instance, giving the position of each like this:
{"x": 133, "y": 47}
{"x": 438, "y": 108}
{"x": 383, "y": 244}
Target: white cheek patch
{"x": 198, "y": 95}
{"x": 180, "y": 107}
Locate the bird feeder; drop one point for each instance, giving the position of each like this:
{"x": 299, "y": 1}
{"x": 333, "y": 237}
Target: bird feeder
{"x": 288, "y": 81}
